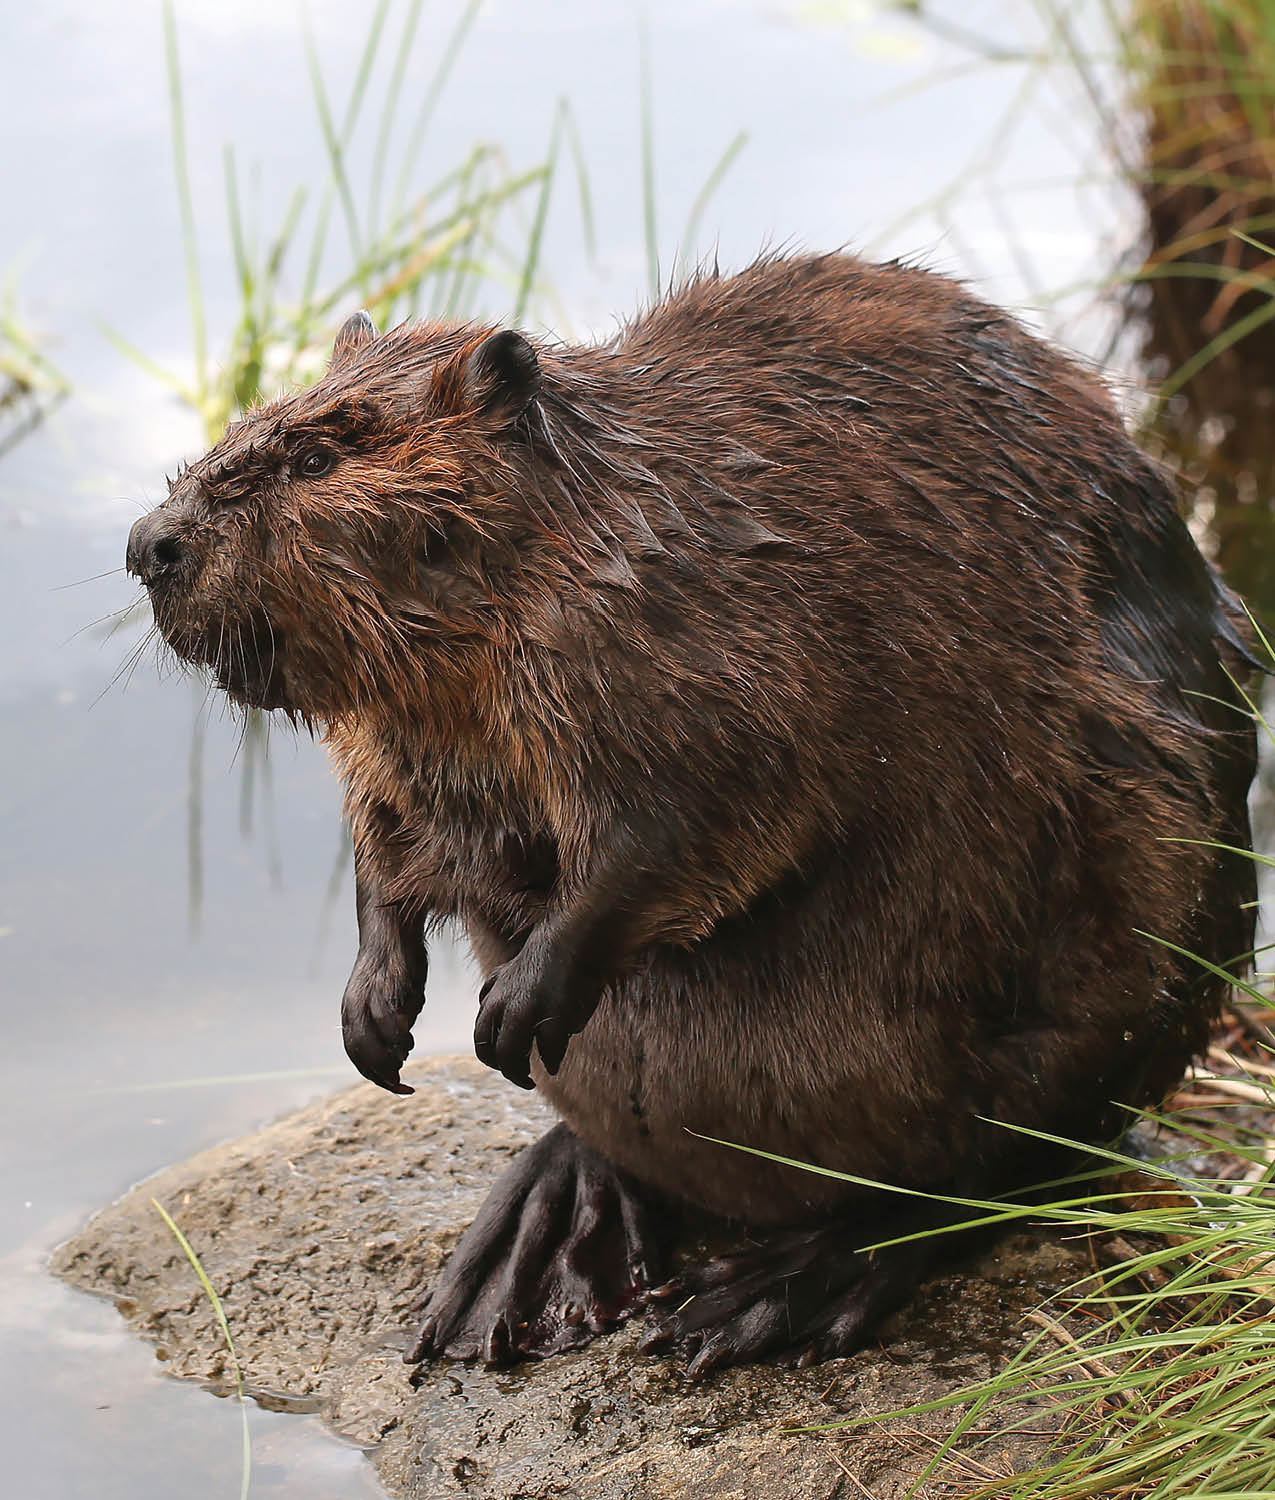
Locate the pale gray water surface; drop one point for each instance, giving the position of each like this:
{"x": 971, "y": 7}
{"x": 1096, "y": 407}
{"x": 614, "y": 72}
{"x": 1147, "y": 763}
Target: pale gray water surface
{"x": 132, "y": 1036}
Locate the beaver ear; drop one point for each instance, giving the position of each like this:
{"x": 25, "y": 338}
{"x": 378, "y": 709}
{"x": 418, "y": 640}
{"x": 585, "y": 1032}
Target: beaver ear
{"x": 353, "y": 336}
{"x": 499, "y": 379}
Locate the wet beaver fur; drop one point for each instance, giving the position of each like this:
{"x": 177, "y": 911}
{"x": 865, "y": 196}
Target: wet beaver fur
{"x": 798, "y": 700}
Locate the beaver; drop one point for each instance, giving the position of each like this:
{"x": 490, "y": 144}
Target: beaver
{"x": 817, "y": 714}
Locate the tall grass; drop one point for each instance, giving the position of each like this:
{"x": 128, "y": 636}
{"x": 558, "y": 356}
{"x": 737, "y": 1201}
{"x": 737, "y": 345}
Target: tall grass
{"x": 1157, "y": 1370}
{"x": 391, "y": 237}
{"x": 1153, "y": 1376}
{"x": 398, "y": 237}
{"x": 1202, "y": 79}
{"x": 418, "y": 247}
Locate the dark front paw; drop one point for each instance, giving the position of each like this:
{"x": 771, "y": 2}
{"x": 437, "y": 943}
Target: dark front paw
{"x": 524, "y": 1001}
{"x": 377, "y": 1012}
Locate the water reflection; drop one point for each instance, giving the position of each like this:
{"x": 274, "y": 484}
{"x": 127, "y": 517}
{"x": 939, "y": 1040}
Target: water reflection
{"x": 31, "y": 386}
{"x": 21, "y": 412}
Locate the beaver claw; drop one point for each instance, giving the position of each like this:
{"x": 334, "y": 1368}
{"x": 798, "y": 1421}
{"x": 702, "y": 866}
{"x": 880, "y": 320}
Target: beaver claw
{"x": 377, "y": 1012}
{"x": 524, "y": 1001}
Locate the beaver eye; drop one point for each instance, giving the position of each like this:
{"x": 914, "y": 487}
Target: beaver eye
{"x": 315, "y": 462}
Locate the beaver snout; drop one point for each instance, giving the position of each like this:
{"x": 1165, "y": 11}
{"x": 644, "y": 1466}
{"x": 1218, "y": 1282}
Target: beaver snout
{"x": 155, "y": 548}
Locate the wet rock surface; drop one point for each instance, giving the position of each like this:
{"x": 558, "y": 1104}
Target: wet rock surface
{"x": 320, "y": 1232}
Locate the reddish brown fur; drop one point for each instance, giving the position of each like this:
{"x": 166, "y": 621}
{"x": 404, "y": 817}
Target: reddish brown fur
{"x": 861, "y": 598}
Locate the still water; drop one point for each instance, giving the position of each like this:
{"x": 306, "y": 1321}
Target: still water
{"x": 155, "y": 1002}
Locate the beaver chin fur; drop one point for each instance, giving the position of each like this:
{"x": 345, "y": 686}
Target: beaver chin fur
{"x": 807, "y": 701}
{"x": 245, "y": 657}
{"x": 253, "y": 674}
{"x": 261, "y": 690}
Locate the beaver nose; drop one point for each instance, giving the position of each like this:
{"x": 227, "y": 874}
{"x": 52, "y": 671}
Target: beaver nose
{"x": 154, "y": 547}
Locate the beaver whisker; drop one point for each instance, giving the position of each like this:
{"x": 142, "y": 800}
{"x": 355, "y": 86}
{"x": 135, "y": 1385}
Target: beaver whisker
{"x": 256, "y": 651}
{"x": 221, "y": 636}
{"x": 80, "y": 582}
{"x": 237, "y": 652}
{"x": 118, "y": 615}
{"x": 124, "y": 616}
{"x": 274, "y": 645}
{"x": 129, "y": 663}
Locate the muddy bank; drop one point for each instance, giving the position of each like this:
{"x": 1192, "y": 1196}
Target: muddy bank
{"x": 320, "y": 1231}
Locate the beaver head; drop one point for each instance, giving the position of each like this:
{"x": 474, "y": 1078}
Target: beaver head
{"x": 338, "y": 543}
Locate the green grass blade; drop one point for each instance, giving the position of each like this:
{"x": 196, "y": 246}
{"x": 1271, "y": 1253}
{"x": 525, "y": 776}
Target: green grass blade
{"x": 1260, "y": 859}
{"x": 222, "y": 1080}
{"x": 704, "y": 197}
{"x": 531, "y": 261}
{"x": 584, "y": 192}
{"x": 238, "y": 240}
{"x": 335, "y": 142}
{"x": 433, "y": 92}
{"x": 181, "y": 166}
{"x": 650, "y": 226}
{"x": 332, "y": 142}
{"x": 220, "y": 1313}
{"x": 367, "y": 60}
{"x": 1216, "y": 346}
{"x": 152, "y": 367}
{"x": 389, "y": 113}
{"x": 1215, "y": 969}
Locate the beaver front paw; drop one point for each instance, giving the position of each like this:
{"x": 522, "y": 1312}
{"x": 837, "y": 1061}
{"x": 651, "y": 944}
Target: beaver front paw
{"x": 377, "y": 1012}
{"x": 530, "y": 999}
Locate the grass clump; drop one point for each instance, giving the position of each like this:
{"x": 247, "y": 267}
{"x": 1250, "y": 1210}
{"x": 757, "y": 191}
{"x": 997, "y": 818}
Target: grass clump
{"x": 408, "y": 250}
{"x": 373, "y": 237}
{"x": 1156, "y": 1371}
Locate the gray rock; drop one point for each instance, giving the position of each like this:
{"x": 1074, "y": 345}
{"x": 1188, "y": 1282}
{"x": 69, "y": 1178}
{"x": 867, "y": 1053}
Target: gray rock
{"x": 320, "y": 1232}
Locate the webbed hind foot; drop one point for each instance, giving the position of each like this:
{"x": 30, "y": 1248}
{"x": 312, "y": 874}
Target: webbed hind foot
{"x": 801, "y": 1297}
{"x": 563, "y": 1248}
